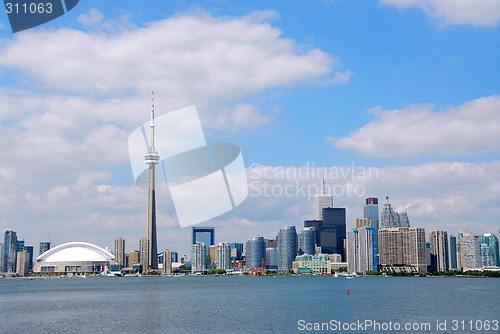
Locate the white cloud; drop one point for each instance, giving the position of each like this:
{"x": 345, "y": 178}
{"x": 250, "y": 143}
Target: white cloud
{"x": 199, "y": 58}
{"x": 243, "y": 115}
{"x": 92, "y": 17}
{"x": 484, "y": 13}
{"x": 471, "y": 128}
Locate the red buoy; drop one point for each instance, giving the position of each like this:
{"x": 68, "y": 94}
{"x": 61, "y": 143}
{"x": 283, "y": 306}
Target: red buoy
{"x": 348, "y": 292}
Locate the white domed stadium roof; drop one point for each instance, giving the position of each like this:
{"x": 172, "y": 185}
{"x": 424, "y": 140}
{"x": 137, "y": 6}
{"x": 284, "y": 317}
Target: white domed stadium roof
{"x": 76, "y": 251}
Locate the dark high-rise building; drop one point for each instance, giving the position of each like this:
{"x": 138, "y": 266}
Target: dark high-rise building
{"x": 44, "y": 246}
{"x": 316, "y": 224}
{"x": 20, "y": 245}
{"x": 287, "y": 248}
{"x": 203, "y": 234}
{"x": 175, "y": 256}
{"x": 255, "y": 252}
{"x": 489, "y": 250}
{"x": 453, "y": 252}
{"x": 333, "y": 231}
{"x": 29, "y": 250}
{"x": 236, "y": 250}
{"x": 10, "y": 251}
{"x": 371, "y": 211}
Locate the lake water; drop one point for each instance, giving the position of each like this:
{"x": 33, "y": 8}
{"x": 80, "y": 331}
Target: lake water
{"x": 247, "y": 304}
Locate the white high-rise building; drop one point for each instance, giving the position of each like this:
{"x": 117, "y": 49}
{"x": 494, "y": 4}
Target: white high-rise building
{"x": 323, "y": 200}
{"x": 469, "y": 251}
{"x": 222, "y": 256}
{"x": 362, "y": 250}
{"x": 198, "y": 257}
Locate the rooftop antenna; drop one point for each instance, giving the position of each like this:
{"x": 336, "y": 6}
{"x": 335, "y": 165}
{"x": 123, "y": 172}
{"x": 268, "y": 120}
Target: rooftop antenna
{"x": 387, "y": 198}
{"x": 324, "y": 187}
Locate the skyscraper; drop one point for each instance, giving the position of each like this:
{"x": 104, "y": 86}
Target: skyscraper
{"x": 151, "y": 158}
{"x": 2, "y": 258}
{"x": 362, "y": 249}
{"x": 402, "y": 249}
{"x": 144, "y": 254}
{"x": 308, "y": 240}
{"x": 236, "y": 250}
{"x": 44, "y": 246}
{"x": 29, "y": 249}
{"x": 222, "y": 258}
{"x": 198, "y": 257}
{"x": 323, "y": 200}
{"x": 390, "y": 219}
{"x": 333, "y": 231}
{"x": 203, "y": 234}
{"x": 371, "y": 211}
{"x": 167, "y": 262}
{"x": 287, "y": 248}
{"x": 255, "y": 252}
{"x": 439, "y": 250}
{"x": 489, "y": 250}
{"x": 10, "y": 251}
{"x": 469, "y": 251}
{"x": 22, "y": 265}
{"x": 453, "y": 252}
{"x": 120, "y": 252}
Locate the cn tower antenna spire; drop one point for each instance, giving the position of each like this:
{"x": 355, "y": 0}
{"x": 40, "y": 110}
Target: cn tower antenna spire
{"x": 152, "y": 125}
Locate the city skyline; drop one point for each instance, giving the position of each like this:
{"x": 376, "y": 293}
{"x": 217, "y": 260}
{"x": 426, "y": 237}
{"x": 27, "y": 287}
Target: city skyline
{"x": 295, "y": 86}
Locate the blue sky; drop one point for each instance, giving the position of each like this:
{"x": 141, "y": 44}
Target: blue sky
{"x": 407, "y": 87}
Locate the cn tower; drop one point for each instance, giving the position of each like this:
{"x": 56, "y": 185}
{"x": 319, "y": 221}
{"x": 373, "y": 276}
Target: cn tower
{"x": 151, "y": 158}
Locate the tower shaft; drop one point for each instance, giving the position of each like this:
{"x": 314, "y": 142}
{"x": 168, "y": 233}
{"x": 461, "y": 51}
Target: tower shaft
{"x": 151, "y": 158}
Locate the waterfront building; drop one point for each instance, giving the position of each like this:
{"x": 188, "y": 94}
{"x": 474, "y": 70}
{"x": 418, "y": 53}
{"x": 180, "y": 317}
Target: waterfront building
{"x": 316, "y": 224}
{"x": 323, "y": 200}
{"x": 255, "y": 252}
{"x": 236, "y": 250}
{"x": 144, "y": 257}
{"x": 73, "y": 257}
{"x": 489, "y": 250}
{"x": 199, "y": 256}
{"x": 44, "y": 246}
{"x": 23, "y": 263}
{"x": 120, "y": 252}
{"x": 134, "y": 257}
{"x": 469, "y": 251}
{"x": 212, "y": 256}
{"x": 402, "y": 249}
{"x": 203, "y": 234}
{"x": 167, "y": 262}
{"x": 362, "y": 250}
{"x": 371, "y": 211}
{"x": 316, "y": 264}
{"x": 29, "y": 249}
{"x": 453, "y": 252}
{"x": 272, "y": 258}
{"x": 307, "y": 241}
{"x": 20, "y": 245}
{"x": 333, "y": 231}
{"x": 175, "y": 256}
{"x": 222, "y": 257}
{"x": 10, "y": 251}
{"x": 2, "y": 257}
{"x": 439, "y": 251}
{"x": 287, "y": 248}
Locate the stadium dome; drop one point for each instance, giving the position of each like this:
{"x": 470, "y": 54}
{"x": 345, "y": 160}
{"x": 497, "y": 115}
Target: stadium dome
{"x": 73, "y": 257}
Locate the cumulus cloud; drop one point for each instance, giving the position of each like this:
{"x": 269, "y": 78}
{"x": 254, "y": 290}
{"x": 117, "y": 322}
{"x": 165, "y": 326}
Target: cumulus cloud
{"x": 199, "y": 57}
{"x": 484, "y": 13}
{"x": 243, "y": 115}
{"x": 471, "y": 128}
{"x": 92, "y": 17}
